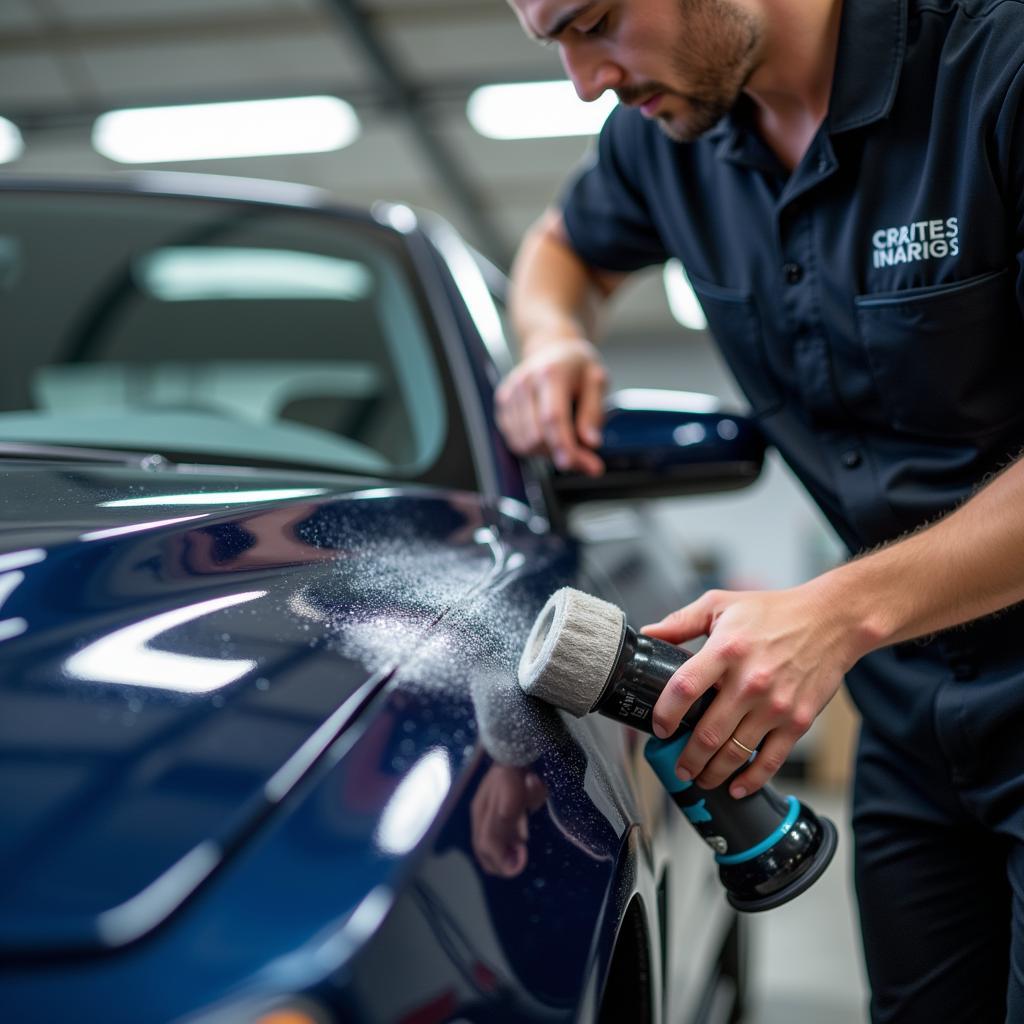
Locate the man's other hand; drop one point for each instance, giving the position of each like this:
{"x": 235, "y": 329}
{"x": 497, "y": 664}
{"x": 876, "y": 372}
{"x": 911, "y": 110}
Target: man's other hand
{"x": 552, "y": 404}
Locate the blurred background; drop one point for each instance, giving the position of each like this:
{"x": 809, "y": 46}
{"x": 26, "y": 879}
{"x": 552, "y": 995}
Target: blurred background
{"x": 445, "y": 105}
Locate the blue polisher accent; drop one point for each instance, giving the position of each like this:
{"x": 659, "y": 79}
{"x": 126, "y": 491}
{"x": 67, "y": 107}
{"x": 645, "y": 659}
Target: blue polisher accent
{"x": 662, "y": 756}
{"x": 769, "y": 841}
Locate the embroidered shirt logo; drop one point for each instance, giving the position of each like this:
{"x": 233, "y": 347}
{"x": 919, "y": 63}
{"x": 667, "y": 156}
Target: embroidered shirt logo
{"x": 909, "y": 243}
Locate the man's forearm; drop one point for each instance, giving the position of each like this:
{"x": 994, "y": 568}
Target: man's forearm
{"x": 778, "y": 657}
{"x": 552, "y": 402}
{"x": 553, "y": 295}
{"x": 967, "y": 565}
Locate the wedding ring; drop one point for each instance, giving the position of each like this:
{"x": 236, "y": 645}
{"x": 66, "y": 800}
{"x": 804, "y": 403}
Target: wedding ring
{"x": 742, "y": 746}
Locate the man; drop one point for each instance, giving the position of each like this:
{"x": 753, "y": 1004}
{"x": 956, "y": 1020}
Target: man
{"x": 845, "y": 186}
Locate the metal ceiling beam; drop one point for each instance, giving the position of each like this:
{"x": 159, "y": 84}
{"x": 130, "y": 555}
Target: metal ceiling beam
{"x": 404, "y": 98}
{"x": 131, "y": 33}
{"x": 214, "y": 25}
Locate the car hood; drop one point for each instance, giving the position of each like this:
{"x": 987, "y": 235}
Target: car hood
{"x": 177, "y": 650}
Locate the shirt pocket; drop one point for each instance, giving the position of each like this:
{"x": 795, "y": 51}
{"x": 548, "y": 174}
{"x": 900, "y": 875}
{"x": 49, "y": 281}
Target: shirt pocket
{"x": 735, "y": 323}
{"x": 947, "y": 361}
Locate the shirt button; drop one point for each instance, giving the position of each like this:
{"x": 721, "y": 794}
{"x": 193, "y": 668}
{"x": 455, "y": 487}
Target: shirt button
{"x": 793, "y": 272}
{"x": 852, "y": 459}
{"x": 963, "y": 671}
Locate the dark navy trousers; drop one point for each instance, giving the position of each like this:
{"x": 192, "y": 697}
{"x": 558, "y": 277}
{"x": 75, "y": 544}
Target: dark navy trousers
{"x": 938, "y": 815}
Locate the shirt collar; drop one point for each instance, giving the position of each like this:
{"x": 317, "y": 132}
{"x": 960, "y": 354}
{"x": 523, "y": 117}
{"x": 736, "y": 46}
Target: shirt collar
{"x": 735, "y": 139}
{"x": 869, "y": 58}
{"x": 872, "y": 46}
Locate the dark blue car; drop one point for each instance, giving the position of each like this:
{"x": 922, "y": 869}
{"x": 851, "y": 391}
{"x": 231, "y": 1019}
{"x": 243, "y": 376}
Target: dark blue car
{"x": 266, "y": 567}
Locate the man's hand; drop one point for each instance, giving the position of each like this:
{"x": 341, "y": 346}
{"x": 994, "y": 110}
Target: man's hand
{"x": 776, "y": 657}
{"x": 535, "y": 405}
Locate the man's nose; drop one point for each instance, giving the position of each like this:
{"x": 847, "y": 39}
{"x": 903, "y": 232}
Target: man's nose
{"x": 591, "y": 74}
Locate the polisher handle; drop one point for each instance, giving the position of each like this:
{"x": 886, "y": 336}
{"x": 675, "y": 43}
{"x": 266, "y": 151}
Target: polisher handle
{"x": 727, "y": 825}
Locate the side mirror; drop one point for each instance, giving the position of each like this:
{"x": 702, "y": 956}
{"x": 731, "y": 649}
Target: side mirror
{"x": 663, "y": 443}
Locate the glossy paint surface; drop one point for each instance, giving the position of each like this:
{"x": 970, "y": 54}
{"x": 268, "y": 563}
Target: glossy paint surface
{"x": 167, "y": 786}
{"x": 205, "y": 649}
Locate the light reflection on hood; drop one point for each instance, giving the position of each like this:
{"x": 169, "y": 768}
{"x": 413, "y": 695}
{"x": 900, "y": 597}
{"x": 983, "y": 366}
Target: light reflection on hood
{"x": 414, "y": 804}
{"x": 121, "y": 531}
{"x": 125, "y": 656}
{"x": 216, "y": 498}
{"x": 10, "y": 580}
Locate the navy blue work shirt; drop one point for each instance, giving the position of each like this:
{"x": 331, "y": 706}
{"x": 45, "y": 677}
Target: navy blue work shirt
{"x": 869, "y": 302}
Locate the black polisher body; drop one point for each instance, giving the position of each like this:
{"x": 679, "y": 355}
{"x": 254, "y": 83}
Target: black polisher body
{"x": 769, "y": 848}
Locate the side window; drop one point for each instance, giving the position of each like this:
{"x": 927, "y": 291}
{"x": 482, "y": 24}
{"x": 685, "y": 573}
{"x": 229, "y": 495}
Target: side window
{"x": 234, "y": 332}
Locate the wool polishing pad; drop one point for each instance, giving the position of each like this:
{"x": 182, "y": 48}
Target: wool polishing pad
{"x": 571, "y": 650}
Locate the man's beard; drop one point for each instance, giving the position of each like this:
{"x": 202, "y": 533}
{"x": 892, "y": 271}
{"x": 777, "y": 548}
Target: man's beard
{"x": 702, "y": 115}
{"x": 719, "y": 61}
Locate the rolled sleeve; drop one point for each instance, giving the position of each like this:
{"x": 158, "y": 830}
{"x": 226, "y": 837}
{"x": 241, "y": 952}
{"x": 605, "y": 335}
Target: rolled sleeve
{"x": 606, "y": 214}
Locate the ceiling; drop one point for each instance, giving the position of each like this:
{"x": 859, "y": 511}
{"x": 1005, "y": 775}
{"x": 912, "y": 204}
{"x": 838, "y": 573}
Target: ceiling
{"x": 408, "y": 67}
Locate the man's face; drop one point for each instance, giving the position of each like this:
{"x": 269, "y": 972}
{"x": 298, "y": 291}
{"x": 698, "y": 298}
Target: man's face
{"x": 683, "y": 62}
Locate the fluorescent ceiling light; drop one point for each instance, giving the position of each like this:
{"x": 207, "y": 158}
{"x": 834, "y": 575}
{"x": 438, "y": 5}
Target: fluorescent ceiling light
{"x": 535, "y": 110}
{"x": 208, "y": 131}
{"x": 11, "y": 143}
{"x": 681, "y": 298}
{"x": 186, "y": 273}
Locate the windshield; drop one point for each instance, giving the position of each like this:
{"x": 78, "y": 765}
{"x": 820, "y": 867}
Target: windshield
{"x": 214, "y": 331}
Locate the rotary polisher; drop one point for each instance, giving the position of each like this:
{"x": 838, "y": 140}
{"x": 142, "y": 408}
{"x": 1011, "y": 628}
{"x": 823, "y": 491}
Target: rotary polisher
{"x": 582, "y": 656}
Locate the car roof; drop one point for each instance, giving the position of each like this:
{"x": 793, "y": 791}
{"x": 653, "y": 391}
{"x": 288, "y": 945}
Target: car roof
{"x": 200, "y": 186}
